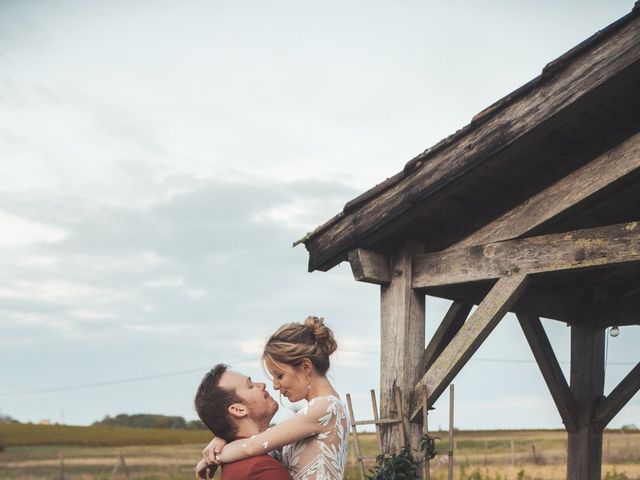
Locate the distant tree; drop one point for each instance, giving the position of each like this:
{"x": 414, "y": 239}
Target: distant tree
{"x": 7, "y": 419}
{"x": 143, "y": 420}
{"x": 628, "y": 427}
{"x": 196, "y": 425}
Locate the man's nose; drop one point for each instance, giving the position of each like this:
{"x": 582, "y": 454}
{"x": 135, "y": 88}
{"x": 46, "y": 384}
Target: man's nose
{"x": 262, "y": 386}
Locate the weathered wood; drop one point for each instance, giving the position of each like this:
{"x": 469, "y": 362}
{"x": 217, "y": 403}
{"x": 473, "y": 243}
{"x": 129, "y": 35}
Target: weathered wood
{"x": 475, "y": 330}
{"x": 550, "y": 368}
{"x": 450, "y": 325}
{"x": 584, "y": 454}
{"x": 402, "y": 315}
{"x": 432, "y": 171}
{"x": 600, "y": 173}
{"x": 354, "y": 430}
{"x": 610, "y": 245}
{"x": 618, "y": 398}
{"x": 370, "y": 267}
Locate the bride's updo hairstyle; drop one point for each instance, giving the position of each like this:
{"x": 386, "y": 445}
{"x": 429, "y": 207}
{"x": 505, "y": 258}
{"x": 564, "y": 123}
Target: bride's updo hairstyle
{"x": 294, "y": 342}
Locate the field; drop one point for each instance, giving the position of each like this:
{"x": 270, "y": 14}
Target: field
{"x": 92, "y": 453}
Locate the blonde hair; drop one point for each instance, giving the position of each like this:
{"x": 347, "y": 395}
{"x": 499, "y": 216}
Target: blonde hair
{"x": 293, "y": 342}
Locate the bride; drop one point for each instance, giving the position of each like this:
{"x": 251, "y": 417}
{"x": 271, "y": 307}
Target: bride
{"x": 314, "y": 442}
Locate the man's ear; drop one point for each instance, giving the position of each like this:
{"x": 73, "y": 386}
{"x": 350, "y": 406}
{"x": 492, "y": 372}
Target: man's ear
{"x": 238, "y": 410}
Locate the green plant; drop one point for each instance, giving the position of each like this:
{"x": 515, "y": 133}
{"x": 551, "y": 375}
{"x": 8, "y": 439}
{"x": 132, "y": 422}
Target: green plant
{"x": 616, "y": 476}
{"x": 402, "y": 465}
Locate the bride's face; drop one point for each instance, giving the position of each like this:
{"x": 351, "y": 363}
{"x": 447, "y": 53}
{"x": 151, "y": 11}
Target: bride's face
{"x": 292, "y": 382}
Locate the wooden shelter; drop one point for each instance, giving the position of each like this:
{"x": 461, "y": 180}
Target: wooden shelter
{"x": 533, "y": 208}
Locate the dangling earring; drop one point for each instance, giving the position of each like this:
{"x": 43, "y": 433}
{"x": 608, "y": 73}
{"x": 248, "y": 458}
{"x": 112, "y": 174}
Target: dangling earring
{"x": 308, "y": 381}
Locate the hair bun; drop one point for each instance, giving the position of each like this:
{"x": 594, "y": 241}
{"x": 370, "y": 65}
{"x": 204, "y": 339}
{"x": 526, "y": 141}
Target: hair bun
{"x": 323, "y": 335}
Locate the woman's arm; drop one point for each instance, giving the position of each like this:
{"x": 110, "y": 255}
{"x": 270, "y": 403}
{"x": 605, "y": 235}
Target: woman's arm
{"x": 310, "y": 421}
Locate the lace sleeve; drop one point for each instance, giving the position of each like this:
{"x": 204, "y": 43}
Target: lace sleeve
{"x": 314, "y": 418}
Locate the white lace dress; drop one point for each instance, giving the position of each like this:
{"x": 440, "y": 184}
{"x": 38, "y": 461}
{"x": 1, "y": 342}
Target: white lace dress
{"x": 314, "y": 441}
{"x": 323, "y": 455}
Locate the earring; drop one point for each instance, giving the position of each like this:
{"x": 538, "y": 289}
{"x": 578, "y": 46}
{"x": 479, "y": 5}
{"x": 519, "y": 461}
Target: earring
{"x": 309, "y": 382}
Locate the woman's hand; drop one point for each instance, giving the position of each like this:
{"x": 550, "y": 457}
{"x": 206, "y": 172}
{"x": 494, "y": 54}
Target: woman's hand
{"x": 203, "y": 468}
{"x": 211, "y": 451}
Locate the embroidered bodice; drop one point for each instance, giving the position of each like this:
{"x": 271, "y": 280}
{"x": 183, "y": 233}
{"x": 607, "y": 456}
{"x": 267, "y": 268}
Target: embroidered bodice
{"x": 314, "y": 441}
{"x": 321, "y": 456}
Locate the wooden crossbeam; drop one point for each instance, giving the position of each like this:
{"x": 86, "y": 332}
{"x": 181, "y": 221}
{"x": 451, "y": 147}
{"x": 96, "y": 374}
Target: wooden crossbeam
{"x": 610, "y": 245}
{"x": 550, "y": 368}
{"x": 618, "y": 398}
{"x": 450, "y": 325}
{"x": 601, "y": 172}
{"x": 370, "y": 267}
{"x": 475, "y": 330}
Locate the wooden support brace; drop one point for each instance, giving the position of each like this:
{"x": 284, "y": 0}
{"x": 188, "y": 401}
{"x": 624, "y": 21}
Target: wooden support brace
{"x": 618, "y": 398}
{"x": 550, "y": 368}
{"x": 598, "y": 174}
{"x": 602, "y": 246}
{"x": 456, "y": 354}
{"x": 370, "y": 267}
{"x": 450, "y": 325}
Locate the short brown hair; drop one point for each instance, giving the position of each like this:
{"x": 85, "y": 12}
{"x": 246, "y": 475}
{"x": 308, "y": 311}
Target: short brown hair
{"x": 212, "y": 403}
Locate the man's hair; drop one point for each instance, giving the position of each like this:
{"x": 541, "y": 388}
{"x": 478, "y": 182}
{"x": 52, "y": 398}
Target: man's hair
{"x": 212, "y": 403}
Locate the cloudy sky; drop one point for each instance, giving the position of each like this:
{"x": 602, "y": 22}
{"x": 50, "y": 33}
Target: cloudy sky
{"x": 158, "y": 159}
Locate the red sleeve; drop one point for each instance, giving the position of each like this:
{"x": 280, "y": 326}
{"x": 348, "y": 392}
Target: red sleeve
{"x": 269, "y": 469}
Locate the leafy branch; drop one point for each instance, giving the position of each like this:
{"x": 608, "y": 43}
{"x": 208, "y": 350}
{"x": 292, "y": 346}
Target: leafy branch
{"x": 402, "y": 465}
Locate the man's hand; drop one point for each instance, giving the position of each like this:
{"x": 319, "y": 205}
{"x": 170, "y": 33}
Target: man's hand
{"x": 211, "y": 451}
{"x": 204, "y": 470}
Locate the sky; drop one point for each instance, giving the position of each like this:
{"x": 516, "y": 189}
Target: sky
{"x": 158, "y": 159}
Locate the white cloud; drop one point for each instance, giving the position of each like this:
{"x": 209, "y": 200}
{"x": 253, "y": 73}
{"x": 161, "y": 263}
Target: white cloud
{"x": 20, "y": 231}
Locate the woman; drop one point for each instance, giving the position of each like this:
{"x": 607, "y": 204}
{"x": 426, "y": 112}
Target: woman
{"x": 314, "y": 442}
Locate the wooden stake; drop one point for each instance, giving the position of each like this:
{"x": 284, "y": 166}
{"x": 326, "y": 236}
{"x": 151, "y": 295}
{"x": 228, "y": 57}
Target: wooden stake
{"x": 62, "y": 474}
{"x": 403, "y": 434}
{"x": 374, "y": 406}
{"x": 451, "y": 392}
{"x": 355, "y": 434}
{"x": 426, "y": 466}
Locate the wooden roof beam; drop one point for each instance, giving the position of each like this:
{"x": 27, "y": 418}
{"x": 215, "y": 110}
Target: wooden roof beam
{"x": 370, "y": 267}
{"x": 600, "y": 173}
{"x": 468, "y": 339}
{"x": 594, "y": 247}
{"x": 550, "y": 368}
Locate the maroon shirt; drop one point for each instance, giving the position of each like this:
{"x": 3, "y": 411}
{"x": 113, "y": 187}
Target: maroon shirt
{"x": 262, "y": 467}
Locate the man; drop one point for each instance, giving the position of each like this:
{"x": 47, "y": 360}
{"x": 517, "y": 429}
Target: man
{"x": 233, "y": 406}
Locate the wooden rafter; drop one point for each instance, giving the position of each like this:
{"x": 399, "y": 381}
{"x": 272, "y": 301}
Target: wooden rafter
{"x": 464, "y": 344}
{"x": 610, "y": 245}
{"x": 370, "y": 267}
{"x": 618, "y": 398}
{"x": 450, "y": 325}
{"x": 600, "y": 173}
{"x": 550, "y": 368}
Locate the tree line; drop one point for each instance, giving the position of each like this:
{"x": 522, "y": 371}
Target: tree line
{"x": 144, "y": 420}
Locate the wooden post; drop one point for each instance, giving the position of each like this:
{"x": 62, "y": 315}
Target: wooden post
{"x": 355, "y": 434}
{"x": 402, "y": 316}
{"x": 376, "y": 418}
{"x": 513, "y": 458}
{"x": 62, "y": 474}
{"x": 584, "y": 451}
{"x": 426, "y": 465}
{"x": 451, "y": 402}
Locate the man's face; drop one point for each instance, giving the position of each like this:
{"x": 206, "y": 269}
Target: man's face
{"x": 260, "y": 405}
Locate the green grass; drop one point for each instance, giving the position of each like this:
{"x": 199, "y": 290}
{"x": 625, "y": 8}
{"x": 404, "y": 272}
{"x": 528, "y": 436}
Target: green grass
{"x": 14, "y": 434}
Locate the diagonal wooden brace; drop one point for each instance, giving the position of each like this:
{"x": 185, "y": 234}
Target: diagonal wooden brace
{"x": 476, "y": 329}
{"x": 550, "y": 368}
